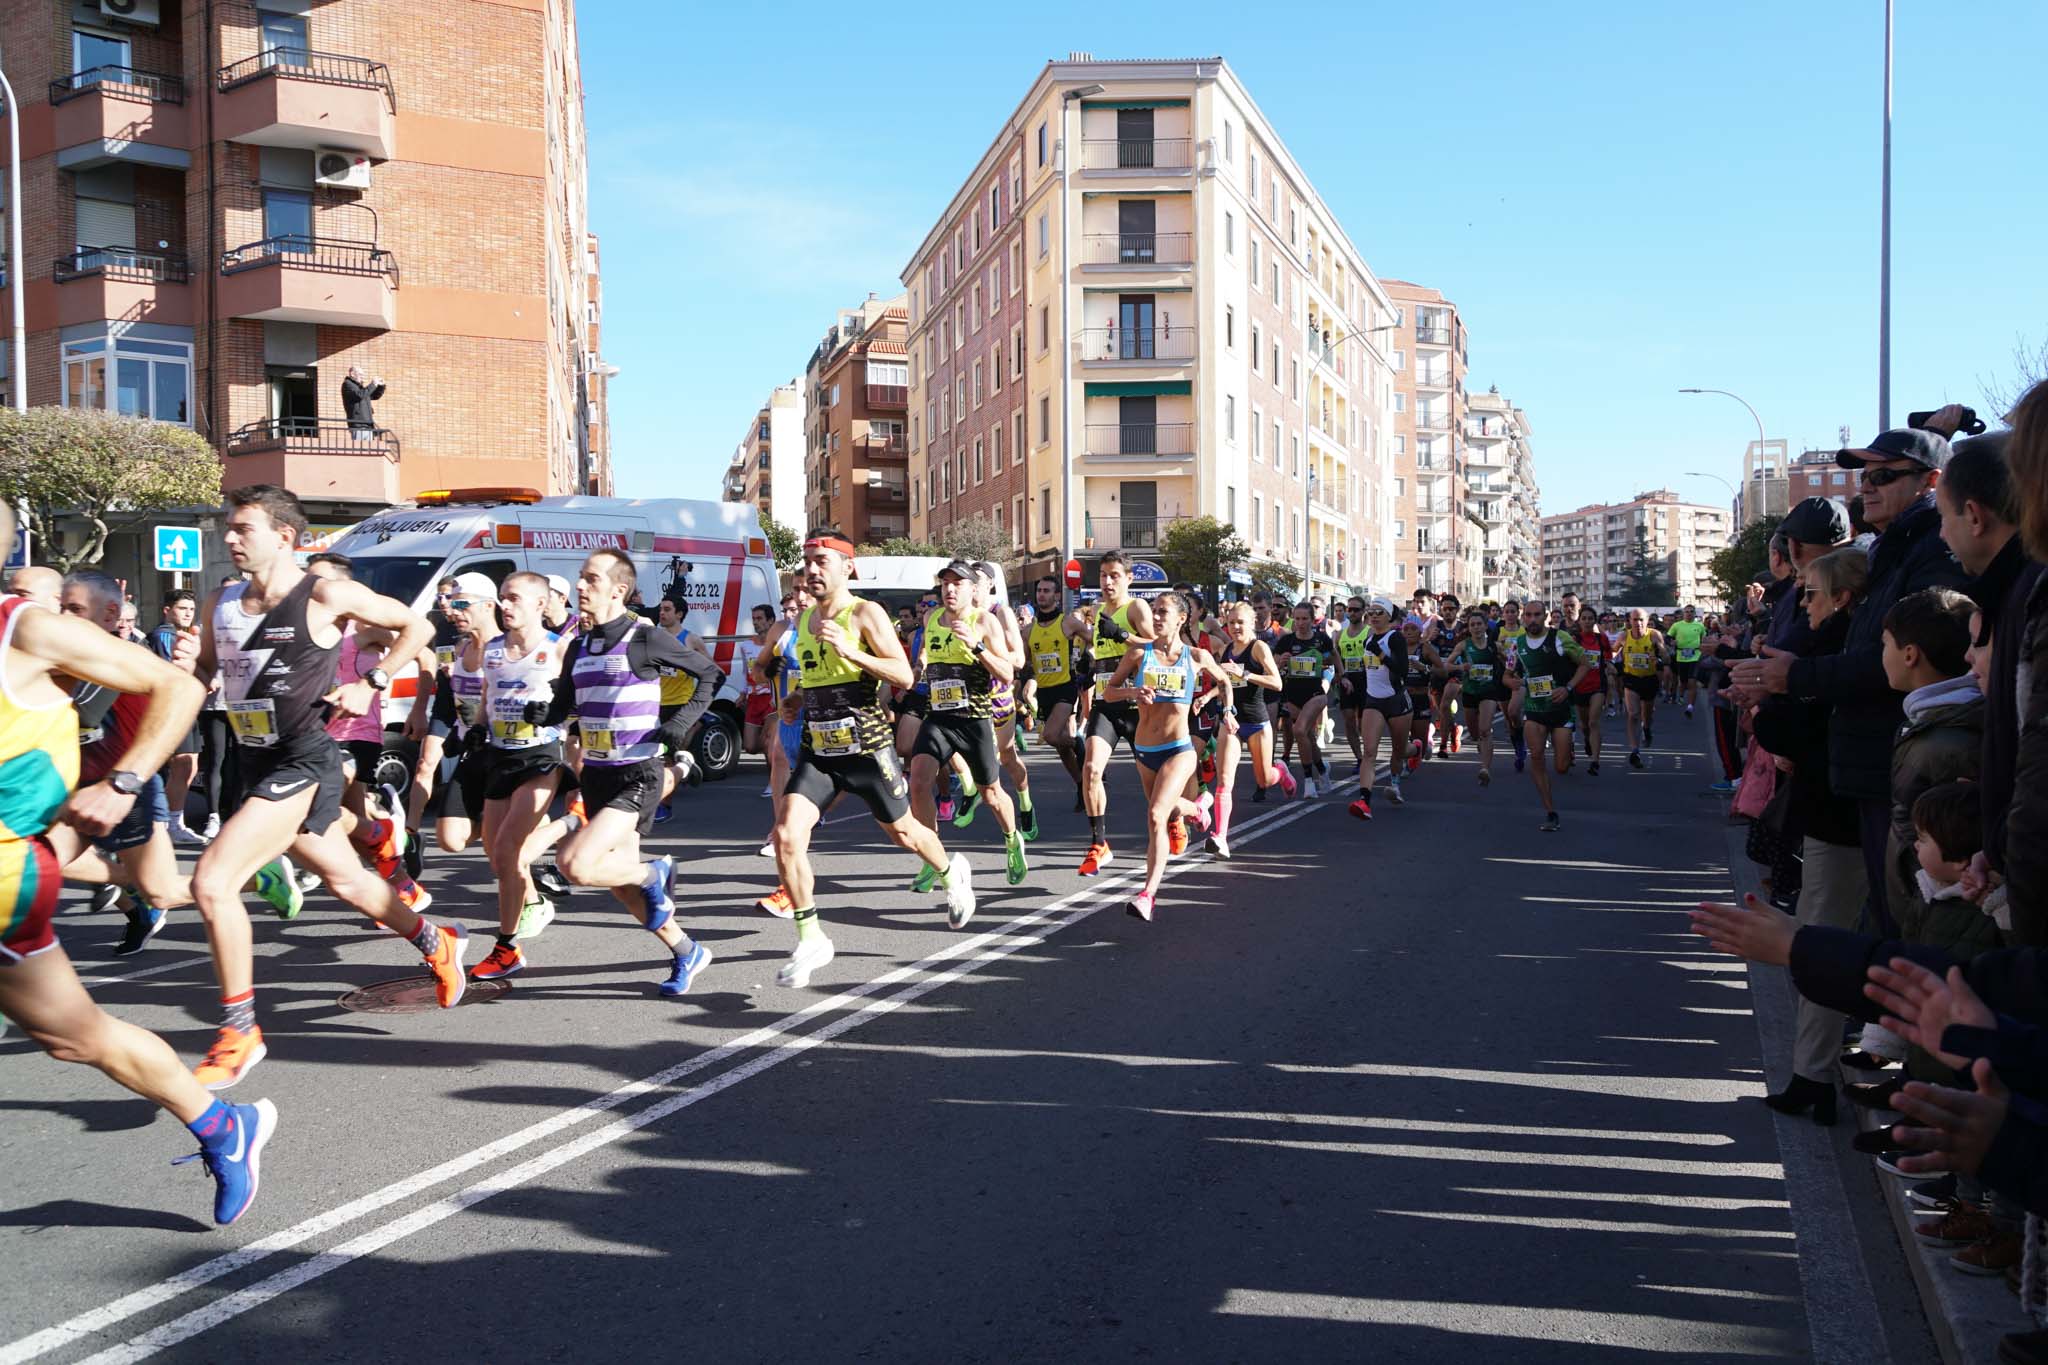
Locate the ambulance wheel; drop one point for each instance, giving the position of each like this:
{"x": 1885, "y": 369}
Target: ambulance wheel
{"x": 717, "y": 747}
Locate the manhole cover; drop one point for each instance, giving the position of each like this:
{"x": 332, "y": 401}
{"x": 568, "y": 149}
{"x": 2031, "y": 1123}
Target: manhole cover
{"x": 415, "y": 995}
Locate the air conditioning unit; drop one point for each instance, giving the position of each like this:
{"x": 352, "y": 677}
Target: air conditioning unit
{"x": 134, "y": 11}
{"x": 342, "y": 170}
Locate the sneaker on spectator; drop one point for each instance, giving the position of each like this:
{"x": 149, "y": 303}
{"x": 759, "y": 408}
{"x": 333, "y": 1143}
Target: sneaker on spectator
{"x": 183, "y": 834}
{"x": 1935, "y": 1194}
{"x": 1965, "y": 1225}
{"x": 1889, "y": 1163}
{"x": 1992, "y": 1255}
{"x": 212, "y": 829}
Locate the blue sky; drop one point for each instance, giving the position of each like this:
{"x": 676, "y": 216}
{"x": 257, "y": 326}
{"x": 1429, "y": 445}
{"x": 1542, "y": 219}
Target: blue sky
{"x": 1623, "y": 199}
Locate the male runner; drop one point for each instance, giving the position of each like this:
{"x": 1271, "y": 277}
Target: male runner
{"x": 1051, "y": 685}
{"x": 1377, "y": 701}
{"x": 777, "y": 665}
{"x": 1303, "y": 654}
{"x": 180, "y": 613}
{"x": 1006, "y": 711}
{"x": 846, "y": 651}
{"x": 1481, "y": 678}
{"x": 1642, "y": 654}
{"x": 686, "y": 694}
{"x": 420, "y": 724}
{"x": 457, "y": 722}
{"x": 1445, "y": 635}
{"x": 611, "y": 683}
{"x": 1585, "y": 628}
{"x": 1550, "y": 668}
{"x": 1121, "y": 620}
{"x": 273, "y": 637}
{"x": 1354, "y": 641}
{"x": 43, "y": 822}
{"x": 1686, "y": 634}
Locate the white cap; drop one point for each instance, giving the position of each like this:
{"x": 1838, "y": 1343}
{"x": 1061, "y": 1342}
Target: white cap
{"x": 475, "y": 587}
{"x": 557, "y": 583}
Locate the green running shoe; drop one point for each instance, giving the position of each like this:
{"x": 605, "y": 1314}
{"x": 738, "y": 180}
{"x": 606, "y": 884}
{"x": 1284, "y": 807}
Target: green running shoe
{"x": 534, "y": 917}
{"x": 1015, "y": 844}
{"x": 1027, "y": 823}
{"x": 969, "y": 804}
{"x": 926, "y": 880}
{"x": 277, "y": 884}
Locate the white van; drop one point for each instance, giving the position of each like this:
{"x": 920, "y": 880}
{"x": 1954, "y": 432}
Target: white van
{"x": 897, "y": 581}
{"x": 711, "y": 556}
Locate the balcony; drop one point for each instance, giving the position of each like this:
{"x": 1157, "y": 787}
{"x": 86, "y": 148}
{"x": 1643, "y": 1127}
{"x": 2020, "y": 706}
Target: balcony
{"x": 1139, "y": 440}
{"x": 109, "y": 114}
{"x": 1137, "y": 345}
{"x": 1434, "y": 381}
{"x": 883, "y": 445}
{"x": 319, "y": 459}
{"x": 1128, "y": 533}
{"x": 1432, "y": 421}
{"x": 1432, "y": 336}
{"x": 100, "y": 284}
{"x": 293, "y": 97}
{"x": 1139, "y": 250}
{"x": 1136, "y": 155}
{"x": 887, "y": 491}
{"x": 888, "y": 395}
{"x": 310, "y": 279}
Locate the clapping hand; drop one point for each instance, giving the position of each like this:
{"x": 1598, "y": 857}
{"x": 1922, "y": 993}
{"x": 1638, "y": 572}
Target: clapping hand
{"x": 1751, "y": 930}
{"x": 1960, "y": 1124}
{"x": 1920, "y": 1005}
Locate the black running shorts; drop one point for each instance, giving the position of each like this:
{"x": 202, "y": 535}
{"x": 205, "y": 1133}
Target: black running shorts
{"x": 505, "y": 771}
{"x": 629, "y": 786}
{"x": 1113, "y": 721}
{"x": 283, "y": 773}
{"x": 875, "y": 778}
{"x": 940, "y": 737}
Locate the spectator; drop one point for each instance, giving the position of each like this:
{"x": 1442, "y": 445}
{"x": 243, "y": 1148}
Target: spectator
{"x": 2026, "y": 820}
{"x": 39, "y": 583}
{"x": 358, "y": 392}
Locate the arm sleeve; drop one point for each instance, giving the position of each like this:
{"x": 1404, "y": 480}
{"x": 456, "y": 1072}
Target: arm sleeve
{"x": 564, "y": 699}
{"x": 2017, "y": 1051}
{"x": 1397, "y": 661}
{"x": 654, "y": 650}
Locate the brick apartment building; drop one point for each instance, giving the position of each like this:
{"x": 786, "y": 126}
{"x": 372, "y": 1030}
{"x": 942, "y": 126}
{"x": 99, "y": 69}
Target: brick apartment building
{"x": 856, "y": 405}
{"x": 1438, "y": 537}
{"x": 227, "y": 205}
{"x": 1816, "y": 475}
{"x": 1586, "y": 551}
{"x": 755, "y": 475}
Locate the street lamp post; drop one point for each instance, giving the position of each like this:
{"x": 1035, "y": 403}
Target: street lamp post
{"x": 1066, "y": 552}
{"x": 1759, "y": 433}
{"x": 15, "y": 283}
{"x": 1884, "y": 246}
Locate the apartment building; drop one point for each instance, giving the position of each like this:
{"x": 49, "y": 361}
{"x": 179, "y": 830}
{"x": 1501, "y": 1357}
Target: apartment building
{"x": 1765, "y": 482}
{"x": 1438, "y": 539}
{"x": 1587, "y": 551}
{"x": 1502, "y": 495}
{"x": 856, "y": 405}
{"x": 1816, "y": 475}
{"x": 1138, "y": 310}
{"x": 225, "y": 207}
{"x": 755, "y": 475}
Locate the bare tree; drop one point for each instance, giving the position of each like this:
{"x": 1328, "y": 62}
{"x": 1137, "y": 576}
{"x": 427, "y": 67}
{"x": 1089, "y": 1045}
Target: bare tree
{"x": 2029, "y": 367}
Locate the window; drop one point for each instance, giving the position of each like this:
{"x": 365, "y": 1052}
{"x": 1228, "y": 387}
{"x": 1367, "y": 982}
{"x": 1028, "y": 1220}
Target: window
{"x": 960, "y": 395}
{"x": 1293, "y": 375}
{"x": 931, "y": 415}
{"x": 1044, "y": 235}
{"x": 1255, "y": 348}
{"x": 1044, "y": 419}
{"x": 959, "y": 325}
{"x": 891, "y": 373}
{"x": 1230, "y": 417}
{"x": 1254, "y": 249}
{"x": 959, "y": 248}
{"x": 915, "y": 443}
{"x": 1230, "y": 505}
{"x": 1400, "y": 528}
{"x": 1276, "y": 283}
{"x": 977, "y": 236}
{"x": 1229, "y": 139}
{"x": 1276, "y": 443}
{"x": 1273, "y": 198}
{"x": 974, "y": 306}
{"x": 1229, "y": 234}
{"x": 1398, "y": 361}
{"x": 1258, "y": 517}
{"x": 835, "y": 396}
{"x": 1044, "y": 327}
{"x": 1017, "y": 438}
{"x": 135, "y": 378}
{"x": 1400, "y": 402}
{"x": 283, "y": 37}
{"x": 1251, "y": 182}
{"x": 1017, "y": 351}
{"x": 1292, "y": 235}
{"x": 1401, "y": 445}
{"x": 980, "y": 470}
{"x": 1016, "y": 266}
{"x": 946, "y": 481}
{"x": 1041, "y": 153}
{"x": 995, "y": 206}
{"x": 1275, "y": 371}
{"x": 945, "y": 411}
{"x": 1294, "y": 527}
{"x": 995, "y": 448}
{"x": 977, "y": 383}
{"x": 995, "y": 288}
{"x": 960, "y": 469}
{"x": 1257, "y": 420}
{"x": 995, "y": 369}
{"x": 1400, "y": 487}
{"x": 1230, "y": 326}
{"x": 1017, "y": 521}
{"x": 945, "y": 338}
{"x": 1294, "y": 456}
{"x": 1044, "y": 507}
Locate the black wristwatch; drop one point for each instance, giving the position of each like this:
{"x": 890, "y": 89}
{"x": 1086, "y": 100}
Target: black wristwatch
{"x": 124, "y": 782}
{"x": 378, "y": 679}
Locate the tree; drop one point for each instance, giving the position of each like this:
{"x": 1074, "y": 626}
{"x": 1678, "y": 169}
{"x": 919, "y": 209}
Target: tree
{"x": 1641, "y": 581}
{"x": 976, "y": 537}
{"x": 1200, "y": 550}
{"x": 111, "y": 471}
{"x": 787, "y": 545}
{"x": 2029, "y": 367}
{"x": 1749, "y": 556}
{"x": 897, "y": 546}
{"x": 1272, "y": 576}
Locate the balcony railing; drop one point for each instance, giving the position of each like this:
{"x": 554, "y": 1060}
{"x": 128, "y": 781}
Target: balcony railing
{"x": 161, "y": 88}
{"x": 1139, "y": 248}
{"x": 1137, "y": 343}
{"x": 884, "y": 490}
{"x": 888, "y": 395}
{"x": 1433, "y": 336}
{"x": 1432, "y": 421}
{"x": 333, "y": 254}
{"x": 883, "y": 443}
{"x": 1140, "y": 439}
{"x": 331, "y": 68}
{"x": 1132, "y": 533}
{"x": 312, "y": 436}
{"x": 123, "y": 263}
{"x": 1424, "y": 380}
{"x": 1135, "y": 153}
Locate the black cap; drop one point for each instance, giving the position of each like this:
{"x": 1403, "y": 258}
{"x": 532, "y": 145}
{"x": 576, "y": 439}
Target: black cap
{"x": 960, "y": 569}
{"x": 1816, "y": 521}
{"x": 1902, "y": 443}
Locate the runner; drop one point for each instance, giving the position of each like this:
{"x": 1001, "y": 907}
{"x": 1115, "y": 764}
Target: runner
{"x": 1476, "y": 665}
{"x": 1051, "y": 688}
{"x": 457, "y": 720}
{"x": 962, "y": 658}
{"x": 1610, "y": 626}
{"x": 993, "y": 601}
{"x": 421, "y": 727}
{"x": 1248, "y": 662}
{"x": 777, "y": 663}
{"x": 1642, "y": 654}
{"x": 1381, "y": 704}
{"x": 1508, "y": 636}
{"x": 1354, "y": 641}
{"x": 1550, "y": 669}
{"x": 361, "y": 742}
{"x": 1302, "y": 655}
{"x": 43, "y": 821}
{"x": 1586, "y": 696}
{"x": 1425, "y": 675}
{"x": 273, "y": 637}
{"x": 1161, "y": 677}
{"x": 1446, "y": 633}
{"x": 756, "y": 730}
{"x": 686, "y": 694}
{"x": 846, "y": 651}
{"x": 611, "y": 682}
{"x": 1686, "y": 634}
{"x": 1120, "y": 621}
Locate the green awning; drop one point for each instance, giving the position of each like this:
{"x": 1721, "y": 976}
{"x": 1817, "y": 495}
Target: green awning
{"x": 1134, "y": 104}
{"x": 1164, "y": 388}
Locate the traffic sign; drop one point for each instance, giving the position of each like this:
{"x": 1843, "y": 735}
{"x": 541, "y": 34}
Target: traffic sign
{"x": 1073, "y": 572}
{"x": 1241, "y": 577}
{"x": 177, "y": 549}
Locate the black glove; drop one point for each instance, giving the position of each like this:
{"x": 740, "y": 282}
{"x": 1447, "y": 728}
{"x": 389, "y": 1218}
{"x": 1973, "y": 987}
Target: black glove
{"x": 1109, "y": 630}
{"x": 534, "y": 712}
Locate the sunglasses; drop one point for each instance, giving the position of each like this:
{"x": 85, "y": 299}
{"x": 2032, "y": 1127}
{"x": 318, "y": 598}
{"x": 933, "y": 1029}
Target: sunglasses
{"x": 460, "y": 603}
{"x": 1882, "y": 478}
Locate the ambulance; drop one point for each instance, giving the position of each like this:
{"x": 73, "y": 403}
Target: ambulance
{"x": 710, "y": 557}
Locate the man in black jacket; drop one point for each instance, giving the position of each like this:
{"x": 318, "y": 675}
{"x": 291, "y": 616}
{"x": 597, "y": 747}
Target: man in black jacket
{"x": 358, "y": 391}
{"x": 1899, "y": 472}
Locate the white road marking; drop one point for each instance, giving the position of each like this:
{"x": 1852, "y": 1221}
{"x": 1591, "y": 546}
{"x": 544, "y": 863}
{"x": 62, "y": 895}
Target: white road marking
{"x": 981, "y": 949}
{"x": 159, "y": 969}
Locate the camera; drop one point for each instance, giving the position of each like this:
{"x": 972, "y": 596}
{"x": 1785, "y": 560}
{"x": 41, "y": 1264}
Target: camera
{"x": 1973, "y": 425}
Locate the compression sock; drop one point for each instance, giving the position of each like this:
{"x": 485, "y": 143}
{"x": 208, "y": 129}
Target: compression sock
{"x": 427, "y": 937}
{"x": 1285, "y": 777}
{"x": 370, "y": 833}
{"x": 1098, "y": 828}
{"x": 806, "y": 921}
{"x": 1024, "y": 800}
{"x": 214, "y": 1127}
{"x": 1221, "y": 828}
{"x": 238, "y": 1012}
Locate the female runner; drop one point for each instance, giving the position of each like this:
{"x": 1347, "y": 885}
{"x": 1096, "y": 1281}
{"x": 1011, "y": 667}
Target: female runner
{"x": 1248, "y": 663}
{"x": 1476, "y": 664}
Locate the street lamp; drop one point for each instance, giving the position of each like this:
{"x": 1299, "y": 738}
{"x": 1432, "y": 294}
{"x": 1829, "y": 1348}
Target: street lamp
{"x": 1753, "y": 417}
{"x": 15, "y": 283}
{"x": 1066, "y": 551}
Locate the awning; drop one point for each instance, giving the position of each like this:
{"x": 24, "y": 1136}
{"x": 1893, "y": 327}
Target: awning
{"x": 1160, "y": 388}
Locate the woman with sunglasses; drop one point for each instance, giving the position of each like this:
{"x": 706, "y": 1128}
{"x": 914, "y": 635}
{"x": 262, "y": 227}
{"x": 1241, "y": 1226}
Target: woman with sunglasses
{"x": 1248, "y": 662}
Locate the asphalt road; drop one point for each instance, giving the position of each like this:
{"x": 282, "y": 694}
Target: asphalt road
{"x": 1441, "y": 1087}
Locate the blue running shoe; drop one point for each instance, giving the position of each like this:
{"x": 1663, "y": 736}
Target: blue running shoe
{"x": 661, "y": 907}
{"x": 688, "y": 965}
{"x": 233, "y": 1159}
{"x": 143, "y": 922}
{"x": 661, "y": 814}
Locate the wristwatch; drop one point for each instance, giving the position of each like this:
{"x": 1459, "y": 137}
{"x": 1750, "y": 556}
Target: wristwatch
{"x": 975, "y": 647}
{"x": 378, "y": 679}
{"x": 124, "y": 782}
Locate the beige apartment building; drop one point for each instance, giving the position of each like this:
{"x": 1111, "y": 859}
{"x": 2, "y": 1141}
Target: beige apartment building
{"x": 1137, "y": 310}
{"x": 1439, "y": 539}
{"x": 756, "y": 475}
{"x": 1501, "y": 493}
{"x": 1586, "y": 551}
{"x": 856, "y": 396}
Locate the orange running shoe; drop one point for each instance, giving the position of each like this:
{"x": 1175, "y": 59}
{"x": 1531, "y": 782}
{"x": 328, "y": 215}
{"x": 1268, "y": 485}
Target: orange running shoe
{"x": 230, "y": 1058}
{"x": 411, "y": 894}
{"x": 505, "y": 960}
{"x": 576, "y": 808}
{"x": 445, "y": 962}
{"x": 387, "y": 848}
{"x": 1098, "y": 858}
{"x": 779, "y": 904}
{"x": 1176, "y": 836}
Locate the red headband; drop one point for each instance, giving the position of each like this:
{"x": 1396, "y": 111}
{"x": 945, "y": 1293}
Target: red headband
{"x": 844, "y": 547}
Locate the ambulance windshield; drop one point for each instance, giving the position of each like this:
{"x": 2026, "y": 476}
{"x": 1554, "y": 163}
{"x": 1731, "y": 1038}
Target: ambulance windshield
{"x": 399, "y": 576}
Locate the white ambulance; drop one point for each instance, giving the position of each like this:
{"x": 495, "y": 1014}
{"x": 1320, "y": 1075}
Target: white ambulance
{"x": 713, "y": 557}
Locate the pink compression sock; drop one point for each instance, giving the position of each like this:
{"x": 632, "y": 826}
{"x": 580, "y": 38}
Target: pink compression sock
{"x": 1221, "y": 827}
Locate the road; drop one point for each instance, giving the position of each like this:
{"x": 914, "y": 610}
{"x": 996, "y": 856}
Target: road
{"x": 1441, "y": 1087}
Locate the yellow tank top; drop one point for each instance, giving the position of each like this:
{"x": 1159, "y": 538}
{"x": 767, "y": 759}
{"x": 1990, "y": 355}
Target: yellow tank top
{"x": 1051, "y": 659}
{"x": 38, "y": 748}
{"x": 1639, "y": 655}
{"x": 678, "y": 687}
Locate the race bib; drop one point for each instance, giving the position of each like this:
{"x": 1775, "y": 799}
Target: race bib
{"x": 1540, "y": 688}
{"x": 1303, "y": 666}
{"x": 949, "y": 694}
{"x": 1049, "y": 664}
{"x": 1104, "y": 676}
{"x": 1163, "y": 680}
{"x": 1479, "y": 673}
{"x": 599, "y": 742}
{"x": 1638, "y": 661}
{"x": 1688, "y": 656}
{"x": 834, "y": 737}
{"x": 509, "y": 725}
{"x": 444, "y": 655}
{"x": 254, "y": 722}
{"x": 1371, "y": 661}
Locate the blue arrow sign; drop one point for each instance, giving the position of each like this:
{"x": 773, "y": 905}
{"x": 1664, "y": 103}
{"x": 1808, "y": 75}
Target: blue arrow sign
{"x": 177, "y": 549}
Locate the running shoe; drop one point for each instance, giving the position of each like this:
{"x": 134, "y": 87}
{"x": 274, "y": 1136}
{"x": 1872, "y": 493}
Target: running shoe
{"x": 445, "y": 962}
{"x": 1027, "y": 823}
{"x": 1593, "y": 768}
{"x": 1258, "y": 795}
{"x": 1176, "y": 836}
{"x": 767, "y": 849}
{"x": 1722, "y": 788}
{"x": 277, "y": 882}
{"x": 1939, "y": 1193}
{"x": 969, "y": 803}
{"x": 946, "y": 805}
{"x": 1992, "y": 1256}
{"x": 388, "y": 850}
{"x": 692, "y": 771}
{"x": 181, "y": 833}
{"x": 959, "y": 892}
{"x": 414, "y": 868}
{"x": 811, "y": 954}
{"x": 534, "y": 917}
{"x": 1098, "y": 858}
{"x": 1218, "y": 845}
{"x": 308, "y": 880}
{"x": 229, "y": 1059}
{"x": 1486, "y": 777}
{"x": 1205, "y": 773}
{"x": 1688, "y": 711}
{"x": 1205, "y": 811}
{"x": 926, "y": 880}
{"x": 412, "y": 895}
{"x": 662, "y": 814}
{"x": 1394, "y": 792}
{"x": 1361, "y": 808}
{"x": 685, "y": 970}
{"x": 1140, "y": 907}
{"x": 661, "y": 907}
{"x": 212, "y": 829}
{"x": 1014, "y": 847}
{"x": 1635, "y": 758}
{"x": 779, "y": 904}
{"x": 1414, "y": 754}
{"x": 549, "y": 881}
{"x": 1551, "y": 823}
{"x": 105, "y": 898}
{"x": 1309, "y": 790}
{"x": 504, "y": 959}
{"x": 143, "y": 923}
{"x": 392, "y": 801}
{"x": 233, "y": 1157}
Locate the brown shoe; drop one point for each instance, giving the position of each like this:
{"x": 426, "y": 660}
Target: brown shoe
{"x": 1964, "y": 1225}
{"x": 1990, "y": 1256}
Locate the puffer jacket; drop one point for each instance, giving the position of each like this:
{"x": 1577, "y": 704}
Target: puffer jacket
{"x": 1942, "y": 742}
{"x": 1909, "y": 556}
{"x": 2026, "y": 819}
{"x": 1798, "y": 731}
